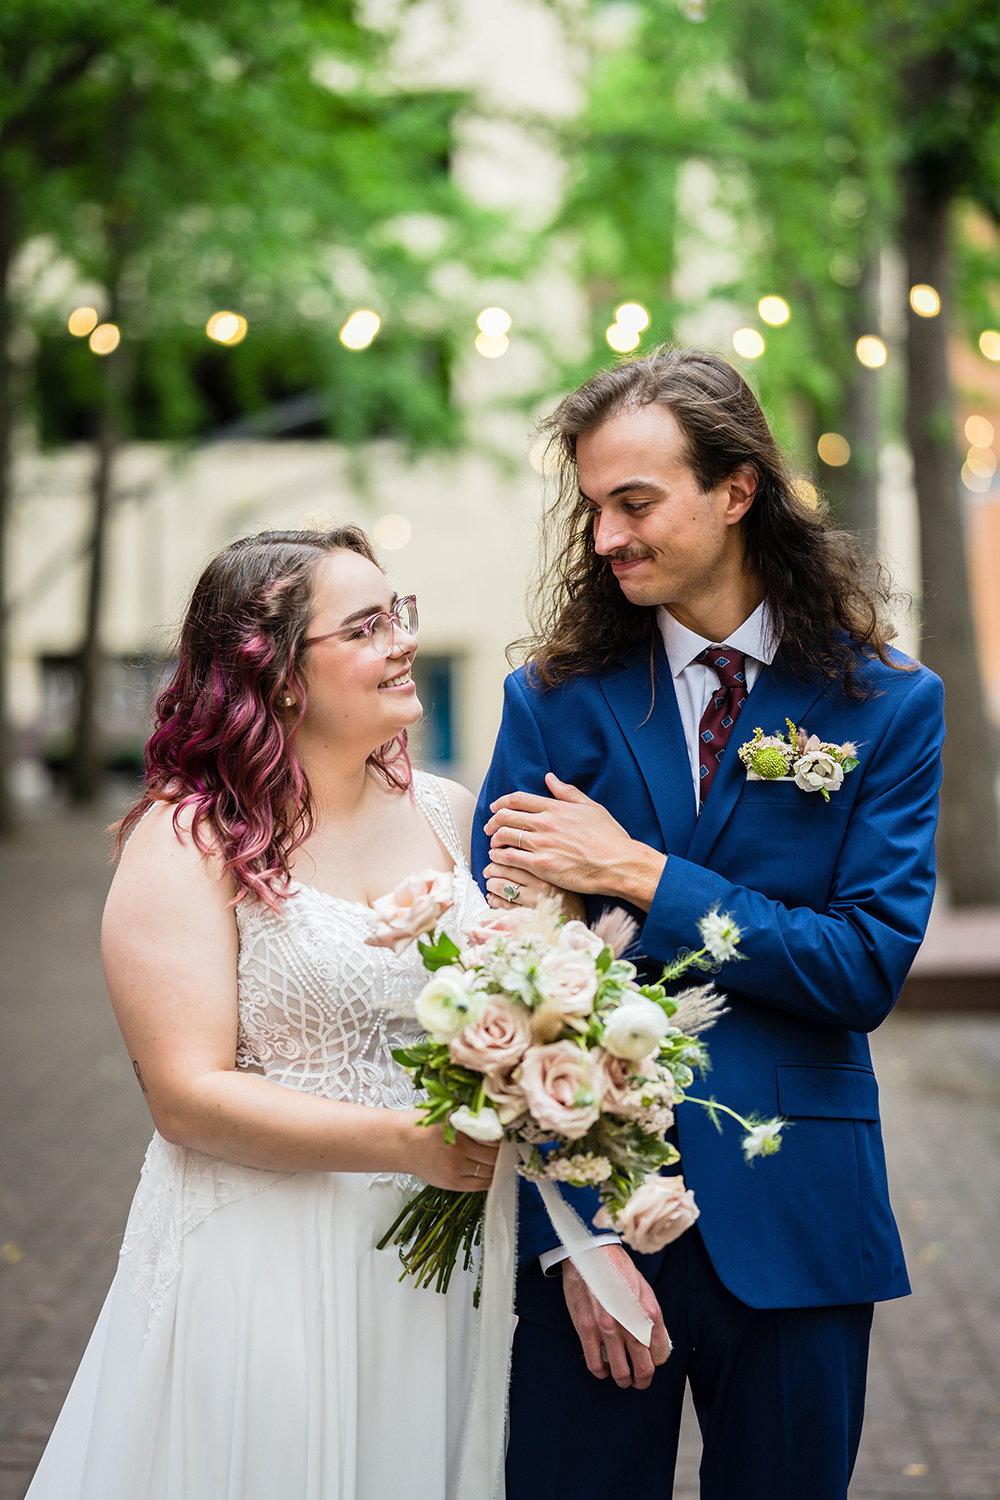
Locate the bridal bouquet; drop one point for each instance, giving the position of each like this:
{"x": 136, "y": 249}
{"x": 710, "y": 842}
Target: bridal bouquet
{"x": 540, "y": 1031}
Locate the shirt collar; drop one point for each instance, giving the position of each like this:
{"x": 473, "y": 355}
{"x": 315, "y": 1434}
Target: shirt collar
{"x": 756, "y": 637}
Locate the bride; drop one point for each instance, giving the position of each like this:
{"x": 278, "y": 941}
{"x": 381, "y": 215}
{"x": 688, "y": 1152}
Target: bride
{"x": 255, "y": 1343}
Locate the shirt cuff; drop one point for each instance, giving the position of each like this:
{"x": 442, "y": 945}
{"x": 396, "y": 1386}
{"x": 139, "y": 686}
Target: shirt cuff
{"x": 549, "y": 1259}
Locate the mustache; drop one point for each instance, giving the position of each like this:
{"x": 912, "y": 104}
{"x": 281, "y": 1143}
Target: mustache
{"x": 628, "y": 554}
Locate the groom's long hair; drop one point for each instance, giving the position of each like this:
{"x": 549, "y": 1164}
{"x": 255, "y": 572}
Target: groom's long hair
{"x": 829, "y": 601}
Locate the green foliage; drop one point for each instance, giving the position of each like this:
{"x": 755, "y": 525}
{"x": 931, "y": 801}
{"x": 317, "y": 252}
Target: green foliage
{"x": 796, "y": 106}
{"x": 191, "y": 157}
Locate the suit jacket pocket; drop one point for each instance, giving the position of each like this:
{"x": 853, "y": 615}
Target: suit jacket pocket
{"x": 827, "y": 1091}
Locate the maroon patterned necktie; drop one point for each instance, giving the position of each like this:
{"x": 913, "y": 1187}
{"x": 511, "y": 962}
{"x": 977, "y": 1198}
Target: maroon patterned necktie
{"x": 722, "y": 711}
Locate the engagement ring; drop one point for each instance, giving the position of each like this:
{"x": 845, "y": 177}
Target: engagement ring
{"x": 511, "y": 893}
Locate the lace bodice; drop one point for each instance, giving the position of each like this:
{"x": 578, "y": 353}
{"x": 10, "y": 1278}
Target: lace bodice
{"x": 321, "y": 1011}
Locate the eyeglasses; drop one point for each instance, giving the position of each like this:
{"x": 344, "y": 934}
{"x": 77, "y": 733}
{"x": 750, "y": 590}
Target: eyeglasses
{"x": 380, "y": 629}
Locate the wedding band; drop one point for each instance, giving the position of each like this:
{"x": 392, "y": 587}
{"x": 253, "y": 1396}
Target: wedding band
{"x": 511, "y": 893}
{"x": 476, "y": 1172}
{"x": 520, "y": 837}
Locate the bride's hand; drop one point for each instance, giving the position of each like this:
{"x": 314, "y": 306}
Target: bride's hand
{"x": 529, "y": 891}
{"x": 464, "y": 1167}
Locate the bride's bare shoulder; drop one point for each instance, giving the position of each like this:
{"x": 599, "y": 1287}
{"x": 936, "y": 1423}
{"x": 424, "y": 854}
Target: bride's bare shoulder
{"x": 162, "y": 848}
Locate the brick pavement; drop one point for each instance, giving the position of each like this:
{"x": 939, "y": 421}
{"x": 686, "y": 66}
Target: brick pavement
{"x": 74, "y": 1130}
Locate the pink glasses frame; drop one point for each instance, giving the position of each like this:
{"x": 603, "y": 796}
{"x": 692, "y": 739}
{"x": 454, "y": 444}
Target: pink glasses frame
{"x": 390, "y": 615}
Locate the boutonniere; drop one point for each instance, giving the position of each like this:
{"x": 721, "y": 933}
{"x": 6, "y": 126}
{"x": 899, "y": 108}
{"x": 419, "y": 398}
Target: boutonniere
{"x": 813, "y": 764}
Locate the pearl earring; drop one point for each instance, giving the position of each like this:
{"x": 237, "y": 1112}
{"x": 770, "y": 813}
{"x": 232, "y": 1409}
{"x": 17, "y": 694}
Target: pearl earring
{"x": 288, "y": 701}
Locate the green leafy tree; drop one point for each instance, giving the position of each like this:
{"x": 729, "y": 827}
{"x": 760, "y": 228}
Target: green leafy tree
{"x": 191, "y": 157}
{"x": 832, "y": 131}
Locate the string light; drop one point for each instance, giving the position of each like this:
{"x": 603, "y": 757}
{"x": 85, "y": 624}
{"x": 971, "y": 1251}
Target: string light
{"x": 871, "y": 351}
{"x": 925, "y": 301}
{"x": 105, "y": 338}
{"x": 774, "y": 310}
{"x": 82, "y": 320}
{"x": 494, "y": 322}
{"x": 748, "y": 342}
{"x": 623, "y": 340}
{"x": 632, "y": 315}
{"x": 834, "y": 449}
{"x": 979, "y": 432}
{"x": 226, "y": 327}
{"x": 492, "y": 345}
{"x": 360, "y": 328}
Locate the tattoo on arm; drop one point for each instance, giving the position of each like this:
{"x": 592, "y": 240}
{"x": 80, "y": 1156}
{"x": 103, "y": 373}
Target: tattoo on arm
{"x": 135, "y": 1069}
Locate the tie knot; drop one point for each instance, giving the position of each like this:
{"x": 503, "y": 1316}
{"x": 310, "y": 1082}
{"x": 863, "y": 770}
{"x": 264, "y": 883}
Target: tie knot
{"x": 729, "y": 664}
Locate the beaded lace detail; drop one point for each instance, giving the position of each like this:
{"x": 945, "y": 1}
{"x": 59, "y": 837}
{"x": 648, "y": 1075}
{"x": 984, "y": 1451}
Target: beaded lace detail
{"x": 319, "y": 1011}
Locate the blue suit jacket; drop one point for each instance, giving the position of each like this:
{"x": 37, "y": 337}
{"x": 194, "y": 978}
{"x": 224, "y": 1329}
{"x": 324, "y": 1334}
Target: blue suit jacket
{"x": 832, "y": 897}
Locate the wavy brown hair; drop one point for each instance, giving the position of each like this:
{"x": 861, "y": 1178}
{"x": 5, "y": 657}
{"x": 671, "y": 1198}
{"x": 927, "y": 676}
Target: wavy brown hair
{"x": 224, "y": 742}
{"x": 829, "y": 600}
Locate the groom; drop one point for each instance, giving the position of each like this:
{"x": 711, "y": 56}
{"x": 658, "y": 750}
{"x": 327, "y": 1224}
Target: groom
{"x": 697, "y": 597}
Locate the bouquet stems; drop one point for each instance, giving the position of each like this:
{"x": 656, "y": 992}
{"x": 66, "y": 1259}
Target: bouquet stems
{"x": 432, "y": 1229}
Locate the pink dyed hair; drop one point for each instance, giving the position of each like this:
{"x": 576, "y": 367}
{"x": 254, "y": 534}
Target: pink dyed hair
{"x": 224, "y": 743}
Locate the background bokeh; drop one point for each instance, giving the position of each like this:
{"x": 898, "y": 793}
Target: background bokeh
{"x": 321, "y": 261}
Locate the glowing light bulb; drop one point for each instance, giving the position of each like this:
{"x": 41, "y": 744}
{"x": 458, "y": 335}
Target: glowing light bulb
{"x": 632, "y": 315}
{"x": 360, "y": 328}
{"x": 492, "y": 345}
{"x": 871, "y": 351}
{"x": 226, "y": 327}
{"x": 105, "y": 338}
{"x": 834, "y": 449}
{"x": 748, "y": 342}
{"x": 82, "y": 320}
{"x": 774, "y": 310}
{"x": 925, "y": 301}
{"x": 494, "y": 322}
{"x": 979, "y": 432}
{"x": 623, "y": 340}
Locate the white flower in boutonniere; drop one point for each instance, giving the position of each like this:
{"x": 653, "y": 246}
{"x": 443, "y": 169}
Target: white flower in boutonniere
{"x": 814, "y": 765}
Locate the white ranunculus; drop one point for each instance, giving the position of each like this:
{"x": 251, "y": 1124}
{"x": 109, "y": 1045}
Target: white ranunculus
{"x": 635, "y": 1028}
{"x": 818, "y": 771}
{"x": 445, "y": 1005}
{"x": 484, "y": 1125}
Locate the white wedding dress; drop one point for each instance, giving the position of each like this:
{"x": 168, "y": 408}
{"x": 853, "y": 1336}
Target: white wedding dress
{"x": 255, "y": 1345}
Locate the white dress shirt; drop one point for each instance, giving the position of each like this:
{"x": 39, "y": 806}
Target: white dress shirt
{"x": 694, "y": 683}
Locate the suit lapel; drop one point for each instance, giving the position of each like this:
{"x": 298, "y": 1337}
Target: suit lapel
{"x": 656, "y": 739}
{"x": 774, "y": 697}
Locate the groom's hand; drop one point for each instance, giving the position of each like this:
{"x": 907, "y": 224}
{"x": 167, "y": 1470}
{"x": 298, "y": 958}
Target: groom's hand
{"x": 573, "y": 842}
{"x": 629, "y": 1362}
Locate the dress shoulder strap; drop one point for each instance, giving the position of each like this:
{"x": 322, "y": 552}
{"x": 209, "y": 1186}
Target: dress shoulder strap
{"x": 432, "y": 798}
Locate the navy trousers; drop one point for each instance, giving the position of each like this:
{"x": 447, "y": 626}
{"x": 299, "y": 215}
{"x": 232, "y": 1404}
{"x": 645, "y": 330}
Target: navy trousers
{"x": 779, "y": 1396}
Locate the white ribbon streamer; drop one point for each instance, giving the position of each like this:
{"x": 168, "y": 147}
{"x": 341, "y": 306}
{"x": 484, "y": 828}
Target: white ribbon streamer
{"x": 481, "y": 1475}
{"x": 600, "y": 1276}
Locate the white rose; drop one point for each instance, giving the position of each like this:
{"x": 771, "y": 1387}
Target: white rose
{"x": 816, "y": 771}
{"x": 445, "y": 1005}
{"x": 483, "y": 1126}
{"x": 635, "y": 1028}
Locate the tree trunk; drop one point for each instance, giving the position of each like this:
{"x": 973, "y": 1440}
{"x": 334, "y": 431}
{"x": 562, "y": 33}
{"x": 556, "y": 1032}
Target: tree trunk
{"x": 854, "y": 488}
{"x": 85, "y": 770}
{"x": 8, "y": 238}
{"x": 969, "y": 837}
